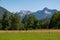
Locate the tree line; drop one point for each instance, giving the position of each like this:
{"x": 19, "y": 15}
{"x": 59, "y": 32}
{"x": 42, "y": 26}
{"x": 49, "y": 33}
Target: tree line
{"x": 29, "y": 22}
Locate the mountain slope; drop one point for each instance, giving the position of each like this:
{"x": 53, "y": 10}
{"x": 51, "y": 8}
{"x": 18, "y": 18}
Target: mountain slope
{"x": 22, "y": 13}
{"x": 2, "y": 10}
{"x": 42, "y": 14}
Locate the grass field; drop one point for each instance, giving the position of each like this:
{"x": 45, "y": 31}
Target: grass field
{"x": 29, "y": 35}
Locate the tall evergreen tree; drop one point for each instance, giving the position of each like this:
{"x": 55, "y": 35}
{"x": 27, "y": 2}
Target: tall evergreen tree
{"x": 15, "y": 22}
{"x": 5, "y": 21}
{"x": 25, "y": 22}
{"x": 37, "y": 24}
{"x": 0, "y": 24}
{"x": 29, "y": 21}
{"x": 55, "y": 21}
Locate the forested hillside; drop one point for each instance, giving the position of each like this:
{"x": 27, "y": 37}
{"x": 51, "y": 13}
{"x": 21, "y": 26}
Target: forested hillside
{"x": 29, "y": 22}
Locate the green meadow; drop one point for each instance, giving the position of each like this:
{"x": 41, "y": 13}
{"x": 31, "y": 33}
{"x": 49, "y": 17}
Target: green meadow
{"x": 29, "y": 36}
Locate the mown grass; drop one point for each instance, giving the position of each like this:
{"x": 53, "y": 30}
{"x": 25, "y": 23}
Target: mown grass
{"x": 29, "y": 36}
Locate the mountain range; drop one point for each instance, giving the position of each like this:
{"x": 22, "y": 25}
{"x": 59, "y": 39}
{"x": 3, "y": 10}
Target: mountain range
{"x": 40, "y": 14}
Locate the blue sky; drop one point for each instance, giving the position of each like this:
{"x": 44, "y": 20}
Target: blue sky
{"x": 32, "y": 5}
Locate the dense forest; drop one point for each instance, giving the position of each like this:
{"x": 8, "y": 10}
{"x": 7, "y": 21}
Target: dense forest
{"x": 29, "y": 22}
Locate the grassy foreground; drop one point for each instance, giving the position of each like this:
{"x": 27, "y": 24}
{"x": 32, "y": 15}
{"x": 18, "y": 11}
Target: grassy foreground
{"x": 29, "y": 35}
